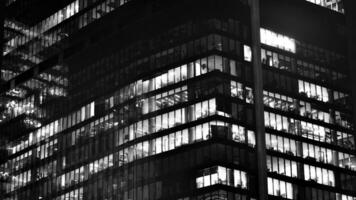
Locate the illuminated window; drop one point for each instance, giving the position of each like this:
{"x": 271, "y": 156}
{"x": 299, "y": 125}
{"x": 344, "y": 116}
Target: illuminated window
{"x": 247, "y": 53}
{"x": 319, "y": 175}
{"x": 221, "y": 175}
{"x": 280, "y": 188}
{"x": 335, "y": 5}
{"x": 273, "y": 39}
{"x": 282, "y": 166}
{"x": 313, "y": 91}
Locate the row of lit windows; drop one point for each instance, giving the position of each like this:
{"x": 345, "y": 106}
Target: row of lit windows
{"x": 20, "y": 180}
{"x": 164, "y": 100}
{"x": 303, "y": 68}
{"x": 297, "y": 127}
{"x": 24, "y": 159}
{"x": 291, "y": 147}
{"x": 76, "y": 194}
{"x": 277, "y": 40}
{"x": 165, "y": 143}
{"x": 151, "y": 125}
{"x": 306, "y": 109}
{"x": 186, "y": 136}
{"x": 143, "y": 127}
{"x": 173, "y": 76}
{"x": 185, "y": 71}
{"x": 305, "y": 129}
{"x": 288, "y": 104}
{"x": 222, "y": 175}
{"x": 135, "y": 90}
{"x": 55, "y": 127}
{"x": 138, "y": 88}
{"x": 310, "y": 151}
{"x": 282, "y": 144}
{"x": 20, "y": 161}
{"x": 280, "y": 188}
{"x": 89, "y": 130}
{"x": 305, "y": 50}
{"x": 278, "y": 101}
{"x": 231, "y": 61}
{"x": 81, "y": 174}
{"x": 47, "y": 149}
{"x": 290, "y": 168}
{"x": 282, "y": 166}
{"x": 45, "y": 25}
{"x": 40, "y": 30}
{"x": 44, "y": 133}
{"x": 168, "y": 120}
{"x": 147, "y": 148}
{"x": 138, "y": 151}
{"x": 197, "y": 68}
{"x": 276, "y": 60}
{"x": 319, "y": 175}
{"x": 142, "y": 87}
{"x": 305, "y": 88}
{"x": 320, "y": 93}
{"x": 313, "y": 91}
{"x": 57, "y": 33}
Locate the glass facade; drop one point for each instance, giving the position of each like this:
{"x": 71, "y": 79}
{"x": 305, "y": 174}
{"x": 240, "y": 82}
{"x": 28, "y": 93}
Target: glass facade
{"x": 303, "y": 100}
{"x": 94, "y": 106}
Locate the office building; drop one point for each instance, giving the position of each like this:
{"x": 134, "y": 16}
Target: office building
{"x": 177, "y": 100}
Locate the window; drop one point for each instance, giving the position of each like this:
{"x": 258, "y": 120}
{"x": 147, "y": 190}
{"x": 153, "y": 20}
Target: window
{"x": 319, "y": 175}
{"x": 221, "y": 175}
{"x": 237, "y": 90}
{"x": 313, "y": 91}
{"x": 281, "y": 144}
{"x": 335, "y": 5}
{"x": 247, "y": 53}
{"x": 347, "y": 161}
{"x": 277, "y": 40}
{"x": 319, "y": 154}
{"x": 280, "y": 188}
{"x": 238, "y": 133}
{"x": 282, "y": 166}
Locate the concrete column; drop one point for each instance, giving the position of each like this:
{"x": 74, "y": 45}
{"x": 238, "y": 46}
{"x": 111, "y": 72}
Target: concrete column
{"x": 258, "y": 97}
{"x": 350, "y": 12}
{"x": 2, "y": 21}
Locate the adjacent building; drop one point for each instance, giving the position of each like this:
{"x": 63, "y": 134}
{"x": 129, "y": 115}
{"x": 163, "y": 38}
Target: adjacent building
{"x": 184, "y": 100}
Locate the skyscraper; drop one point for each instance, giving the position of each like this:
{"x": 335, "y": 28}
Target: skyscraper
{"x": 182, "y": 100}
